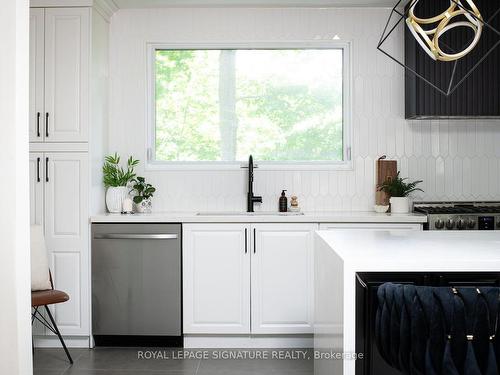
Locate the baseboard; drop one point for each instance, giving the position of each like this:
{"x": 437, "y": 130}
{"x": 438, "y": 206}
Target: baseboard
{"x": 249, "y": 341}
{"x": 53, "y": 342}
{"x": 199, "y": 341}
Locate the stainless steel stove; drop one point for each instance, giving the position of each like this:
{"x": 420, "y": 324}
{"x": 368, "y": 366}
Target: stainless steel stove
{"x": 460, "y": 215}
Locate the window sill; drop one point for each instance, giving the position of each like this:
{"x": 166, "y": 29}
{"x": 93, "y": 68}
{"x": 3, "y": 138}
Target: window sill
{"x": 237, "y": 166}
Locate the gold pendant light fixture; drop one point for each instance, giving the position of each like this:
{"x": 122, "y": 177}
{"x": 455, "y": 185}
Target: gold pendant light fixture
{"x": 431, "y": 54}
{"x": 442, "y": 23}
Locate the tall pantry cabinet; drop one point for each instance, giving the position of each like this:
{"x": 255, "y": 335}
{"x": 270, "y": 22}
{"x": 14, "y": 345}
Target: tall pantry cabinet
{"x": 67, "y": 121}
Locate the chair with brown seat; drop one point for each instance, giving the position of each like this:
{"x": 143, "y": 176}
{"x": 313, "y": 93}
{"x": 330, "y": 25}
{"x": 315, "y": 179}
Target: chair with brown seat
{"x": 43, "y": 293}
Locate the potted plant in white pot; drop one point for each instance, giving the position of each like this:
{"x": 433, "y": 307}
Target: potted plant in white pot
{"x": 115, "y": 179}
{"x": 143, "y": 194}
{"x": 398, "y": 190}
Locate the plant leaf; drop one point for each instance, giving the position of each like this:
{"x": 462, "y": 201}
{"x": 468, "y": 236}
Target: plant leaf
{"x": 397, "y": 187}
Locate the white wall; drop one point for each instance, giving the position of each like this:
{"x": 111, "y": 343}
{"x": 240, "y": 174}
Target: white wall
{"x": 457, "y": 159}
{"x": 99, "y": 83}
{"x": 15, "y": 325}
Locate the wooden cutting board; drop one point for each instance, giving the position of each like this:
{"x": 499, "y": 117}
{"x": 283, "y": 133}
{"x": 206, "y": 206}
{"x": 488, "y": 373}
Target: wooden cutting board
{"x": 385, "y": 169}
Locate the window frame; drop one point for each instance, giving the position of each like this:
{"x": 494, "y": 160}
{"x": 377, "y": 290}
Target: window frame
{"x": 347, "y": 131}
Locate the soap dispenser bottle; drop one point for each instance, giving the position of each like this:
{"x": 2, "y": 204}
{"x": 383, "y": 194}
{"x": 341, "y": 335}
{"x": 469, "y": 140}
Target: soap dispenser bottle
{"x": 283, "y": 203}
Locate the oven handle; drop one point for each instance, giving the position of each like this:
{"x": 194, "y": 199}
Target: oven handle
{"x": 126, "y": 236}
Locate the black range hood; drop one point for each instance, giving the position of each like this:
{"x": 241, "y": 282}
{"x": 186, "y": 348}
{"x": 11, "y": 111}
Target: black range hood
{"x": 479, "y": 95}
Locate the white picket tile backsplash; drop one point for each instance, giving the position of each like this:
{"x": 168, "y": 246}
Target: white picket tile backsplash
{"x": 457, "y": 159}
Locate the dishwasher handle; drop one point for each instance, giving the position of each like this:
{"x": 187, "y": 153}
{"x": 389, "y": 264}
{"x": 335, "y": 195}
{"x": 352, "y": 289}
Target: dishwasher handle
{"x": 136, "y": 236}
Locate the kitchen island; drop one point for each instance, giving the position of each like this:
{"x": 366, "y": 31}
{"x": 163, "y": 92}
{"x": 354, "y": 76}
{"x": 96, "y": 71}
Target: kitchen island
{"x": 342, "y": 256}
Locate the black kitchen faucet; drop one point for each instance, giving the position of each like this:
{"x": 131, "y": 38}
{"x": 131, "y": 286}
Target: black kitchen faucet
{"x": 251, "y": 199}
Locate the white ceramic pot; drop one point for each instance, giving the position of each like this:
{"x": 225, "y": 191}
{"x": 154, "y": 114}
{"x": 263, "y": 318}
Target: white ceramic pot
{"x": 381, "y": 209}
{"x": 400, "y": 205}
{"x": 115, "y": 197}
{"x": 128, "y": 205}
{"x": 145, "y": 207}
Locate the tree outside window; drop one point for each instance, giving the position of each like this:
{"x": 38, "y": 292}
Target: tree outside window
{"x": 222, "y": 105}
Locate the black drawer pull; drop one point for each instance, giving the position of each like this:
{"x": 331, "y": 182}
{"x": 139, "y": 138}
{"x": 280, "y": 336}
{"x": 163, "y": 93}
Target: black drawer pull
{"x": 254, "y": 242}
{"x": 46, "y": 169}
{"x": 47, "y": 125}
{"x": 37, "y": 169}
{"x": 38, "y": 124}
{"x": 246, "y": 241}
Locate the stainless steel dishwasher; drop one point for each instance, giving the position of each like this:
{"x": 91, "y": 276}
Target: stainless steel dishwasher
{"x": 136, "y": 285}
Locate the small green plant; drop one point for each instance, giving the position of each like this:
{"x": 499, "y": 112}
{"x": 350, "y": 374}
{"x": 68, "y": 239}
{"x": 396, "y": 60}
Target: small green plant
{"x": 397, "y": 187}
{"x": 115, "y": 175}
{"x": 143, "y": 190}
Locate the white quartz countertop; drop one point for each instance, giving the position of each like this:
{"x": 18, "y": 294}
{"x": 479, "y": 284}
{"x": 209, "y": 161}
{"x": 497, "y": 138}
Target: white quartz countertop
{"x": 402, "y": 251}
{"x": 264, "y": 217}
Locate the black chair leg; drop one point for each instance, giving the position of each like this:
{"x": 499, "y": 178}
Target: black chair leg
{"x": 58, "y": 334}
{"x": 33, "y": 317}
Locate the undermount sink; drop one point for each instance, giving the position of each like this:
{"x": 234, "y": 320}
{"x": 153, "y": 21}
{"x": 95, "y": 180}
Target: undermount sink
{"x": 240, "y": 213}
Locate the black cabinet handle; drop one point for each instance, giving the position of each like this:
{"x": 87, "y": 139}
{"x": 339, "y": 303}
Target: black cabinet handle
{"x": 46, "y": 169}
{"x": 254, "y": 242}
{"x": 37, "y": 169}
{"x": 38, "y": 124}
{"x": 246, "y": 240}
{"x": 47, "y": 125}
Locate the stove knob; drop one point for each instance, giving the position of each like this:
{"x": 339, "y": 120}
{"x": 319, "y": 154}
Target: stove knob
{"x": 461, "y": 224}
{"x": 450, "y": 224}
{"x": 439, "y": 224}
{"x": 471, "y": 224}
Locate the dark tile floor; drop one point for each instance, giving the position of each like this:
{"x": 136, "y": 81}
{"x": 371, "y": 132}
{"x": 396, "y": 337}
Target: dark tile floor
{"x": 128, "y": 361}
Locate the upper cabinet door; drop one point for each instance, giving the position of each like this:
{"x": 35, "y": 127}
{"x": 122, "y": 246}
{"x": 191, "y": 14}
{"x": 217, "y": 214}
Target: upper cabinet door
{"x": 282, "y": 278}
{"x": 36, "y": 113}
{"x": 216, "y": 278}
{"x": 67, "y": 34}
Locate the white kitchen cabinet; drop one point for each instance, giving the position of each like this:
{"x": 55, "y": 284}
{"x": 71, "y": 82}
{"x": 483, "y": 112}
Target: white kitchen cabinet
{"x": 37, "y": 74}
{"x": 36, "y": 207}
{"x": 72, "y": 316}
{"x": 216, "y": 278}
{"x": 372, "y": 226}
{"x": 59, "y": 201}
{"x": 66, "y": 200}
{"x": 59, "y": 74}
{"x": 282, "y": 278}
{"x": 68, "y": 68}
{"x": 36, "y": 188}
{"x": 254, "y": 278}
{"x": 243, "y": 278}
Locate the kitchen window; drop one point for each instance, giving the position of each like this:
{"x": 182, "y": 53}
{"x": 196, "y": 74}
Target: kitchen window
{"x": 212, "y": 107}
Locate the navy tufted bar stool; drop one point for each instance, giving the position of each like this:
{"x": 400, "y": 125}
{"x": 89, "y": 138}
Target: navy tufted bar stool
{"x": 438, "y": 330}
